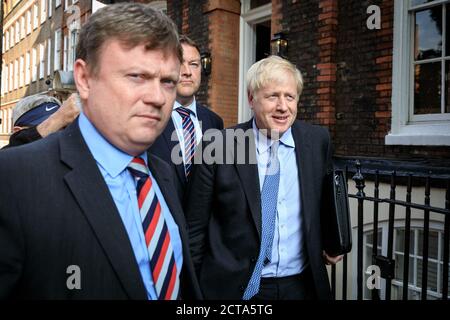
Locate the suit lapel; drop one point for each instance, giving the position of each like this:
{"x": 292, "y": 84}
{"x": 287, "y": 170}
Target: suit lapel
{"x": 167, "y": 133}
{"x": 248, "y": 173}
{"x": 303, "y": 158}
{"x": 92, "y": 194}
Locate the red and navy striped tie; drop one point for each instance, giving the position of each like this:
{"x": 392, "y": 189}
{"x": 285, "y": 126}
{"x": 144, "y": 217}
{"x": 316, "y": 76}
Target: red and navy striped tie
{"x": 157, "y": 238}
{"x": 190, "y": 140}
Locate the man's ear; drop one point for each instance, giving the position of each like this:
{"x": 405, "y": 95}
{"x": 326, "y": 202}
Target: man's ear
{"x": 17, "y": 129}
{"x": 251, "y": 99}
{"x": 82, "y": 75}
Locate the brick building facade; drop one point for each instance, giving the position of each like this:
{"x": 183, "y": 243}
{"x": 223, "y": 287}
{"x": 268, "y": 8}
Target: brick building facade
{"x": 347, "y": 67}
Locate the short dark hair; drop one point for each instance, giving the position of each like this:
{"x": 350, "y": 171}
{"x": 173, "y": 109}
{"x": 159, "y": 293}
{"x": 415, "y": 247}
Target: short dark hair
{"x": 186, "y": 40}
{"x": 133, "y": 24}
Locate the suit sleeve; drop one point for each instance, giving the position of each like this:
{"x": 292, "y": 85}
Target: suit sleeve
{"x": 11, "y": 241}
{"x": 328, "y": 232}
{"x": 198, "y": 203}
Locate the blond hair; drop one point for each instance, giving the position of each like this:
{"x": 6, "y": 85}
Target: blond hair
{"x": 270, "y": 69}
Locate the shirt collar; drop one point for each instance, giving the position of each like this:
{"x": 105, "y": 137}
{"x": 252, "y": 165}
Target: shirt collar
{"x": 111, "y": 159}
{"x": 192, "y": 107}
{"x": 263, "y": 143}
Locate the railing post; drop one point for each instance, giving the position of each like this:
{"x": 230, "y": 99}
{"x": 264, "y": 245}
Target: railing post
{"x": 375, "y": 293}
{"x": 359, "y": 181}
{"x": 407, "y": 240}
{"x": 426, "y": 234}
{"x": 390, "y": 244}
{"x": 446, "y": 244}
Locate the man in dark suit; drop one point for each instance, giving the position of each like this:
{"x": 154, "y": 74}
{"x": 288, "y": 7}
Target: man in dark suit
{"x": 86, "y": 213}
{"x": 253, "y": 206}
{"x": 190, "y": 119}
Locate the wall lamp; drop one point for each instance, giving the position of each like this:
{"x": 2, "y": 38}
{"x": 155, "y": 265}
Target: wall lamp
{"x": 206, "y": 62}
{"x": 279, "y": 45}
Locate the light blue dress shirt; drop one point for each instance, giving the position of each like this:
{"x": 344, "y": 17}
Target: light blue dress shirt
{"x": 113, "y": 163}
{"x": 288, "y": 252}
{"x": 178, "y": 123}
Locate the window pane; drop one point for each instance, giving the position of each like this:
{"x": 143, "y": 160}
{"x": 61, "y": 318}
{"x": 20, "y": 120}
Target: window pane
{"x": 447, "y": 86}
{"x": 399, "y": 266}
{"x": 432, "y": 276}
{"x": 427, "y": 88}
{"x": 400, "y": 241}
{"x": 433, "y": 245}
{"x": 417, "y": 2}
{"x": 419, "y": 272}
{"x": 257, "y": 3}
{"x": 428, "y": 33}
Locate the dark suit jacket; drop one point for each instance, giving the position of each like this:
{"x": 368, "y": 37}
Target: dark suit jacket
{"x": 163, "y": 145}
{"x": 223, "y": 210}
{"x": 56, "y": 211}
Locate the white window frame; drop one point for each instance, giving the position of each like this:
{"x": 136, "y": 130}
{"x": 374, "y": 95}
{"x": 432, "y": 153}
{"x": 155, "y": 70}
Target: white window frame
{"x": 65, "y": 52}
{"x": 21, "y": 72}
{"x": 35, "y": 16}
{"x": 11, "y": 76}
{"x": 7, "y": 40}
{"x": 16, "y": 74}
{"x": 41, "y": 60}
{"x": 49, "y": 56}
{"x": 34, "y": 65}
{"x": 383, "y": 227}
{"x": 247, "y": 42}
{"x": 417, "y": 256}
{"x": 23, "y": 30}
{"x": 50, "y": 9}
{"x": 72, "y": 43}
{"x": 43, "y": 6}
{"x": 27, "y": 68}
{"x": 29, "y": 21}
{"x": 12, "y": 35}
{"x": 57, "y": 3}
{"x": 4, "y": 79}
{"x": 17, "y": 24}
{"x": 57, "y": 57}
{"x": 404, "y": 131}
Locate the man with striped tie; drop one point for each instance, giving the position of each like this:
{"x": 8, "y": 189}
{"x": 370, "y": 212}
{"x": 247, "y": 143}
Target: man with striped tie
{"x": 190, "y": 119}
{"x": 87, "y": 213}
{"x": 254, "y": 219}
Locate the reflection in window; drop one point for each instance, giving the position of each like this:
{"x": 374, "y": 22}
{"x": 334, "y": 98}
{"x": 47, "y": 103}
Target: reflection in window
{"x": 427, "y": 88}
{"x": 431, "y": 52}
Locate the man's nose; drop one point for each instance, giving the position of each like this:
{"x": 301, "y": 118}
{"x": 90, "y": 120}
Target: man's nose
{"x": 154, "y": 94}
{"x": 186, "y": 70}
{"x": 282, "y": 104}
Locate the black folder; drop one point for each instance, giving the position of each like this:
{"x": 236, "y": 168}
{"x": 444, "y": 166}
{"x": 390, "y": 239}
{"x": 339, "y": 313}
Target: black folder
{"x": 335, "y": 215}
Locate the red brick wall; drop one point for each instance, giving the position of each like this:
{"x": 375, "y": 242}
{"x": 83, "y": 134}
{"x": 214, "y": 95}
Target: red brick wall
{"x": 223, "y": 18}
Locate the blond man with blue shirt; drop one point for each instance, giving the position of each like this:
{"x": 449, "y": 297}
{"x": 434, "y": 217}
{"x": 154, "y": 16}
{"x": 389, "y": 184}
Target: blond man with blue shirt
{"x": 255, "y": 225}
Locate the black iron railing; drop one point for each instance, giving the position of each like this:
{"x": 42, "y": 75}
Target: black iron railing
{"x": 386, "y": 262}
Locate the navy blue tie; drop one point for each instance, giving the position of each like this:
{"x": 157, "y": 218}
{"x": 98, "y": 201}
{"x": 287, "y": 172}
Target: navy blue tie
{"x": 189, "y": 138}
{"x": 269, "y": 197}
